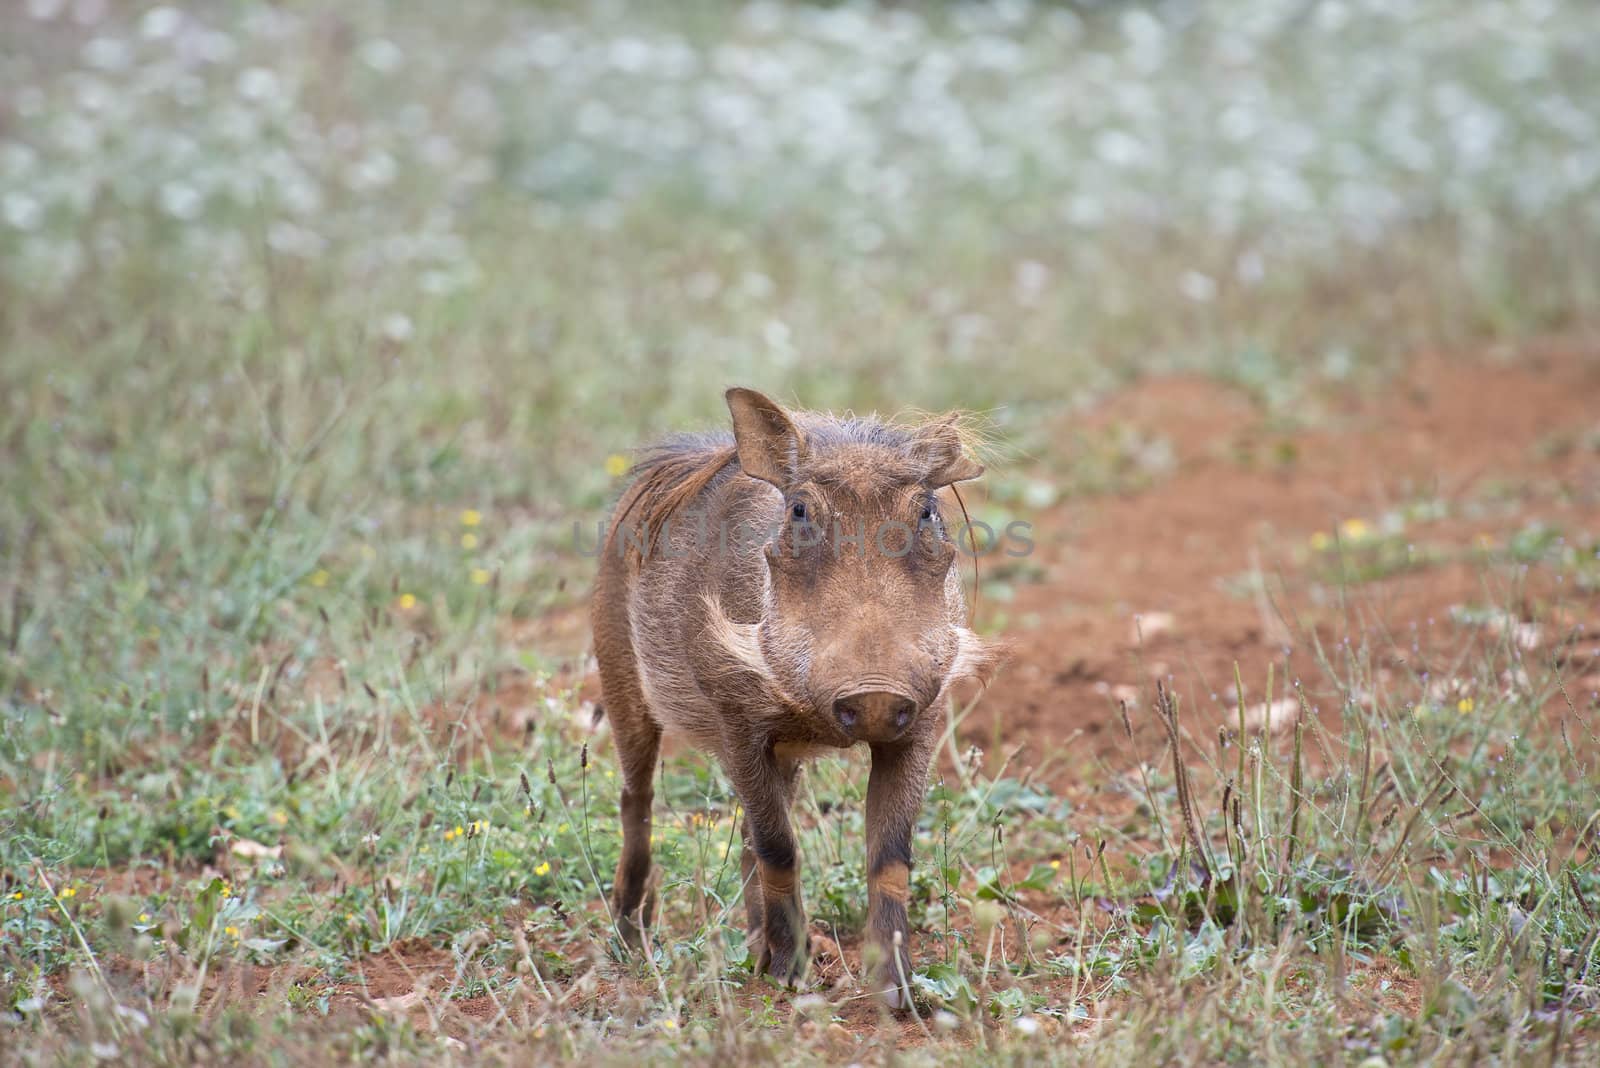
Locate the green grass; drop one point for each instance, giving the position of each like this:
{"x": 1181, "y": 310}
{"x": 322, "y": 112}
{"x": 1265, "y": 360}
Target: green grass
{"x": 287, "y": 292}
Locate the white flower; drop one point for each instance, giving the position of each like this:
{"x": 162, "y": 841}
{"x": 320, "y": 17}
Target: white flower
{"x": 159, "y": 23}
{"x": 293, "y": 240}
{"x": 382, "y": 55}
{"x": 107, "y": 53}
{"x": 398, "y": 328}
{"x": 181, "y": 201}
{"x": 214, "y": 46}
{"x": 1119, "y": 148}
{"x": 1200, "y": 288}
{"x": 21, "y": 211}
{"x": 374, "y": 172}
{"x": 258, "y": 84}
{"x": 777, "y": 335}
{"x": 16, "y": 159}
{"x": 1031, "y": 278}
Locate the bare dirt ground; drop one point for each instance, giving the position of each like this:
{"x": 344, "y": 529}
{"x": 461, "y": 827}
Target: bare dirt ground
{"x": 1156, "y": 584}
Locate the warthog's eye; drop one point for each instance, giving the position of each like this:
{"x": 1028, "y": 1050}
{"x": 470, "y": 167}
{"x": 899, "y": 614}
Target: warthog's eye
{"x": 797, "y": 511}
{"x": 930, "y": 511}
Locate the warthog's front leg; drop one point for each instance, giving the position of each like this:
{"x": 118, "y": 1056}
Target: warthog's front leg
{"x": 894, "y": 798}
{"x": 765, "y": 785}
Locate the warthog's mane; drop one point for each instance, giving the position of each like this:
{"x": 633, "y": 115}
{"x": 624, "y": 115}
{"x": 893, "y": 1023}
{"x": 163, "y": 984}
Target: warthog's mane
{"x": 675, "y": 471}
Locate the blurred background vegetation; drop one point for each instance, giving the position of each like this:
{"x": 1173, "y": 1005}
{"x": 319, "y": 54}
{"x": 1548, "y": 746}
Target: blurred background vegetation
{"x": 320, "y": 324}
{"x": 280, "y": 282}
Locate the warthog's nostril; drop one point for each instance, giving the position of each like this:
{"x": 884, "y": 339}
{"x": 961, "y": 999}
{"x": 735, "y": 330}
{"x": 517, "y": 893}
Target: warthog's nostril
{"x": 876, "y": 715}
{"x": 903, "y": 711}
{"x": 847, "y": 714}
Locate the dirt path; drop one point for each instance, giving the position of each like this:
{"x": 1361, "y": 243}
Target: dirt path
{"x": 1467, "y": 454}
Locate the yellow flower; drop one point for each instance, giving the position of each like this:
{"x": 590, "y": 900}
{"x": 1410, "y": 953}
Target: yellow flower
{"x": 231, "y": 931}
{"x": 408, "y": 601}
{"x": 543, "y": 869}
{"x": 471, "y": 517}
{"x": 1485, "y": 541}
{"x": 319, "y": 578}
{"x": 1465, "y": 705}
{"x": 480, "y": 576}
{"x": 1056, "y": 865}
{"x": 280, "y": 817}
{"x": 1354, "y": 529}
{"x": 144, "y": 917}
{"x": 469, "y": 541}
{"x": 1320, "y": 541}
{"x": 616, "y": 465}
{"x": 17, "y": 896}
{"x": 670, "y": 1025}
{"x": 230, "y": 811}
{"x": 67, "y": 892}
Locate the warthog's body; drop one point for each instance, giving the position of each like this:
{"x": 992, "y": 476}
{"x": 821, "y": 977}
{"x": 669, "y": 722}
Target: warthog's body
{"x": 733, "y": 606}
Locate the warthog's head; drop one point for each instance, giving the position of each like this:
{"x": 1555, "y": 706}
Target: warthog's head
{"x": 863, "y": 622}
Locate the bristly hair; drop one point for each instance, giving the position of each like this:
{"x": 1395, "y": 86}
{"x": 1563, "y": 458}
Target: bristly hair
{"x": 675, "y": 471}
{"x": 671, "y": 474}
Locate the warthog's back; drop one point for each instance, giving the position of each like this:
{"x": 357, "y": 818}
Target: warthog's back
{"x": 687, "y": 527}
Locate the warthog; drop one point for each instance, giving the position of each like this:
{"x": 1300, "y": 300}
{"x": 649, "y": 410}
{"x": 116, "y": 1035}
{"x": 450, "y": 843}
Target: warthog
{"x": 770, "y": 595}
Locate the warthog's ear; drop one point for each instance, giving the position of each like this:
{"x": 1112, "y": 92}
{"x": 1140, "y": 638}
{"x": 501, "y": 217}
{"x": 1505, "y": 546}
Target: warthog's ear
{"x": 939, "y": 445}
{"x": 770, "y": 445}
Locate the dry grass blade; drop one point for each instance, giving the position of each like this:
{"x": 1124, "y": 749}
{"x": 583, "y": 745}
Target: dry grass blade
{"x": 1166, "y": 707}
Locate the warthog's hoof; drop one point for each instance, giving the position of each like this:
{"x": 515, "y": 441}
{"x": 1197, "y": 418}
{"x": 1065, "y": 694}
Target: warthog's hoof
{"x": 895, "y": 997}
{"x": 630, "y": 926}
{"x": 787, "y": 965}
{"x": 891, "y": 979}
{"x": 631, "y": 934}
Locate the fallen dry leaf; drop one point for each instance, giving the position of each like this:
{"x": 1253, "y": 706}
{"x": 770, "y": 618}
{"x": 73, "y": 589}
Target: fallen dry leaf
{"x": 1277, "y": 716}
{"x": 1151, "y": 625}
{"x": 249, "y": 850}
{"x": 398, "y": 1003}
{"x": 1524, "y": 636}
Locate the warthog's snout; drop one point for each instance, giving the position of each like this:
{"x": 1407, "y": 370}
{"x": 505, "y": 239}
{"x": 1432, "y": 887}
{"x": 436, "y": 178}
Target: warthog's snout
{"x": 875, "y": 715}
